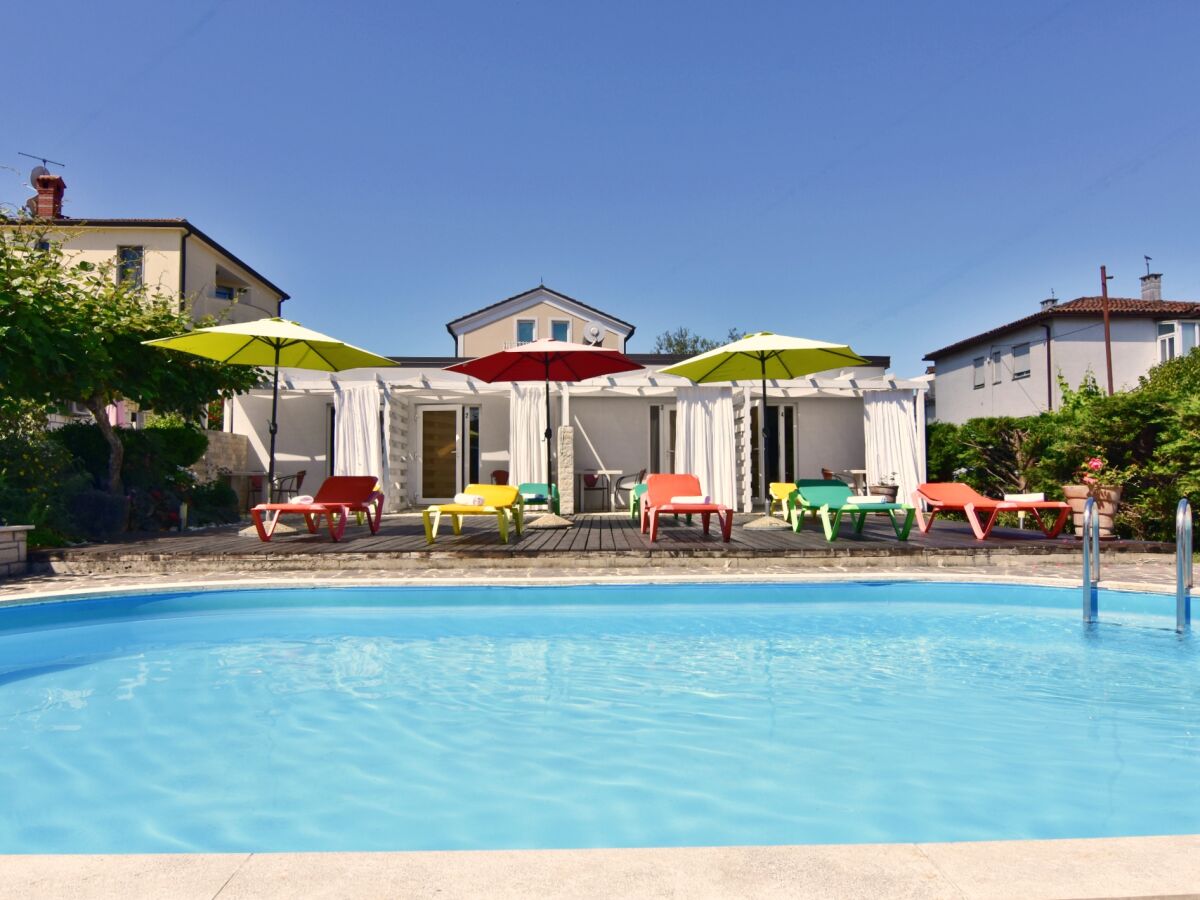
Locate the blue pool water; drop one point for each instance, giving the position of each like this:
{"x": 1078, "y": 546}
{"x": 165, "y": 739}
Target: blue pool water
{"x": 386, "y": 719}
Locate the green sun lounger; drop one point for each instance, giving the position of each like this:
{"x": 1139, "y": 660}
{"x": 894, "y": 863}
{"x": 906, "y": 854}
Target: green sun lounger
{"x": 830, "y": 500}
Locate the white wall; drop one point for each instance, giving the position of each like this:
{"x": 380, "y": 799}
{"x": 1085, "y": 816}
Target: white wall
{"x": 612, "y": 433}
{"x": 302, "y": 437}
{"x": 1077, "y": 347}
{"x": 829, "y": 435}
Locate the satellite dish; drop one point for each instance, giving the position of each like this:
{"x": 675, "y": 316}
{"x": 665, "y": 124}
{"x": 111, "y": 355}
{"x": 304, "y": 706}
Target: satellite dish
{"x": 593, "y": 332}
{"x": 38, "y": 172}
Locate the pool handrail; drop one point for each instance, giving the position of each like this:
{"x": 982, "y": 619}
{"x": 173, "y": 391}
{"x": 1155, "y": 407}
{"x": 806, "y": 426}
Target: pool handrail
{"x": 1091, "y": 561}
{"x": 1183, "y": 565}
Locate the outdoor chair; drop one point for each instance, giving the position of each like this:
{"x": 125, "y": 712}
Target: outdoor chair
{"x": 626, "y": 483}
{"x": 779, "y": 492}
{"x": 828, "y": 501}
{"x": 954, "y": 496}
{"x": 594, "y": 484}
{"x": 503, "y": 501}
{"x": 680, "y": 495}
{"x": 287, "y": 486}
{"x": 635, "y": 503}
{"x": 339, "y": 496}
{"x": 539, "y": 494}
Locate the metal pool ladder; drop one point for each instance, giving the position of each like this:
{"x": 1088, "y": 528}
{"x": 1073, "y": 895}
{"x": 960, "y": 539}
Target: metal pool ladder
{"x": 1183, "y": 566}
{"x": 1091, "y": 561}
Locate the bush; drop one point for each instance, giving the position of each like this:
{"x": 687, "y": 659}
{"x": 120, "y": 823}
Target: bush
{"x": 214, "y": 503}
{"x": 97, "y": 515}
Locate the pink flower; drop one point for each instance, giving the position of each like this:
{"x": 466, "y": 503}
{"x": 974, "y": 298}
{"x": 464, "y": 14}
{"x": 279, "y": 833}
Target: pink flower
{"x": 1095, "y": 464}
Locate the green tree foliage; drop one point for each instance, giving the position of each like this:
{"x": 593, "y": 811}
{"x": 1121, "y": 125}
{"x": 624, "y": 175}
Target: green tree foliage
{"x": 684, "y": 342}
{"x": 70, "y": 332}
{"x": 1149, "y": 437}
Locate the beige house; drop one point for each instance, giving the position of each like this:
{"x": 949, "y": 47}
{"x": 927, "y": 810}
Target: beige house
{"x": 430, "y": 432}
{"x": 534, "y": 315}
{"x": 172, "y": 256}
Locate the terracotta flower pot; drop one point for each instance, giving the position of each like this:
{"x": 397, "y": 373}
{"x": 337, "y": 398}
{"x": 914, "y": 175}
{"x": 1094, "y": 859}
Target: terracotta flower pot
{"x": 1108, "y": 499}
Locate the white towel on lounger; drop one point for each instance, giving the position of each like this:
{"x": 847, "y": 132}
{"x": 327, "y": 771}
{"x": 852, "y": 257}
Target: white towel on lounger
{"x": 303, "y": 498}
{"x": 692, "y": 501}
{"x": 468, "y": 500}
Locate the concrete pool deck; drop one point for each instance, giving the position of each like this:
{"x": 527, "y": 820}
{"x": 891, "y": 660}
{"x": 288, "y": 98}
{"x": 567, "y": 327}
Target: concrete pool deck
{"x": 1142, "y": 867}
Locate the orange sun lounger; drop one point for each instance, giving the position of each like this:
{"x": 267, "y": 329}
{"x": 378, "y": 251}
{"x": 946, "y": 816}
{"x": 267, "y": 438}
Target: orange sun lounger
{"x": 339, "y": 496}
{"x": 981, "y": 511}
{"x": 662, "y": 492}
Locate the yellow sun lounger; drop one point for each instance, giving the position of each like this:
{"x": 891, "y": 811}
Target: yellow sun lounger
{"x": 499, "y": 500}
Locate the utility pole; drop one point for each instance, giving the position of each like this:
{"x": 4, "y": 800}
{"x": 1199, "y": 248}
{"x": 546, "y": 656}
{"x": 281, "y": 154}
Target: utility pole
{"x": 1104, "y": 277}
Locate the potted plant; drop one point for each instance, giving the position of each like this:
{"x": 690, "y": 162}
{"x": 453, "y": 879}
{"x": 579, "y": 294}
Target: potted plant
{"x": 1100, "y": 482}
{"x": 887, "y": 487}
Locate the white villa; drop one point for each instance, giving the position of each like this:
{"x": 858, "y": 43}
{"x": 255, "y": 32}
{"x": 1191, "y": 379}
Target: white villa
{"x": 425, "y": 432}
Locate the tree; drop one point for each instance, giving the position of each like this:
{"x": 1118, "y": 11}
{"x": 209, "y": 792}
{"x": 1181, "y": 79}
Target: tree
{"x": 69, "y": 331}
{"x": 683, "y": 342}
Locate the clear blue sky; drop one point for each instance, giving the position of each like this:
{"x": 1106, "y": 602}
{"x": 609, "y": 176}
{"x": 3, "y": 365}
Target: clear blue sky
{"x": 893, "y": 175}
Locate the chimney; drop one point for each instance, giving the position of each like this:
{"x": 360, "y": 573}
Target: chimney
{"x": 1049, "y": 302}
{"x": 1152, "y": 286}
{"x": 48, "y": 202}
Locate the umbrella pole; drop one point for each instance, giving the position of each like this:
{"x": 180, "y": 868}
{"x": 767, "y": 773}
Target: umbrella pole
{"x": 274, "y": 426}
{"x": 549, "y": 435}
{"x": 762, "y": 474}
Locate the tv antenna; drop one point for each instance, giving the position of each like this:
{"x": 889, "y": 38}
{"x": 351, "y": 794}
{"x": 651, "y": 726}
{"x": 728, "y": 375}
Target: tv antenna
{"x": 39, "y": 171}
{"x": 1147, "y": 259}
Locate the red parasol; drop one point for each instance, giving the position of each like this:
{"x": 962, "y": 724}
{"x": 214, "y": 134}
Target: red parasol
{"x": 547, "y": 361}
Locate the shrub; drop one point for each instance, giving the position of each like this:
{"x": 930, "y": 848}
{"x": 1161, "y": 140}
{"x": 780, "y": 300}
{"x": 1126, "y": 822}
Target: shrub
{"x": 214, "y": 503}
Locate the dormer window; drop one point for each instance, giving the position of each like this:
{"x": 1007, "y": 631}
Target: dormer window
{"x": 560, "y": 330}
{"x": 526, "y": 331}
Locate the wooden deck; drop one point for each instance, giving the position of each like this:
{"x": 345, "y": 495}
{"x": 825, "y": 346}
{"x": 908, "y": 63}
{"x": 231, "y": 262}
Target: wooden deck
{"x": 595, "y": 540}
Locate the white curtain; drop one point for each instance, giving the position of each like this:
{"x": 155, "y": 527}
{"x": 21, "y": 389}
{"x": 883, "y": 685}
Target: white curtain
{"x": 894, "y": 426}
{"x": 357, "y": 445}
{"x": 705, "y": 440}
{"x": 526, "y": 434}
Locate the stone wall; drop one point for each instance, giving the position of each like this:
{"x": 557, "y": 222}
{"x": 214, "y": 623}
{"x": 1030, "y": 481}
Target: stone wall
{"x": 227, "y": 452}
{"x": 13, "y": 559}
{"x": 566, "y": 470}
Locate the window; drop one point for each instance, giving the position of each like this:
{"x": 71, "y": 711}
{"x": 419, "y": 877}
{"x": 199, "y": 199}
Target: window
{"x": 560, "y": 330}
{"x": 129, "y": 265}
{"x": 471, "y": 458}
{"x": 997, "y": 367}
{"x": 1020, "y": 361}
{"x": 978, "y": 364}
{"x": 221, "y": 292}
{"x": 1190, "y": 337}
{"x": 526, "y": 331}
{"x": 1166, "y": 341}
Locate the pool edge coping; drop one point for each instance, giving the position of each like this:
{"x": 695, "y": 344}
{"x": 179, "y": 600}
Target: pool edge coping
{"x": 1074, "y": 867}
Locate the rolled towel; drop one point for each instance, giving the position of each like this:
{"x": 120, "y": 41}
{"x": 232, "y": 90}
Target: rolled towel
{"x": 692, "y": 501}
{"x": 866, "y": 498}
{"x": 303, "y": 498}
{"x": 468, "y": 500}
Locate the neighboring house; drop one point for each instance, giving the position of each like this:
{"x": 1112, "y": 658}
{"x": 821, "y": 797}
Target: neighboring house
{"x": 1014, "y": 370}
{"x": 171, "y": 256}
{"x": 534, "y": 315}
{"x": 439, "y": 431}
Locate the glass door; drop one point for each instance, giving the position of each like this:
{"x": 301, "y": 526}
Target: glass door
{"x": 440, "y": 437}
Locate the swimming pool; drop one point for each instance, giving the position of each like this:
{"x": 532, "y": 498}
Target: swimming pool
{"x": 617, "y": 716}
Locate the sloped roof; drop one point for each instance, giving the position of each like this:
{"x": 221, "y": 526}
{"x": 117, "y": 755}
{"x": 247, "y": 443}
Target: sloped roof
{"x": 181, "y": 224}
{"x": 541, "y": 287}
{"x": 1118, "y": 307}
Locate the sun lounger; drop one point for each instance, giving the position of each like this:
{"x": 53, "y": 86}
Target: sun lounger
{"x": 780, "y": 492}
{"x": 339, "y": 496}
{"x": 539, "y": 494}
{"x": 981, "y": 511}
{"x": 680, "y": 495}
{"x": 500, "y": 500}
{"x": 829, "y": 500}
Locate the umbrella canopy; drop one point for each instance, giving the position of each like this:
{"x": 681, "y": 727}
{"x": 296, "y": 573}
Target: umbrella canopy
{"x": 547, "y": 360}
{"x": 765, "y": 355}
{"x": 271, "y": 342}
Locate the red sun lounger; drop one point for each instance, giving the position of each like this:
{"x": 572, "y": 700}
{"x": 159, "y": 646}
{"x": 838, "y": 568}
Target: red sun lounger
{"x": 982, "y": 511}
{"x": 339, "y": 496}
{"x": 678, "y": 495}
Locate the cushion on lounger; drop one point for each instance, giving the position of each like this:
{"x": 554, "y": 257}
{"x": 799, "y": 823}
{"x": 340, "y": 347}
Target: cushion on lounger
{"x": 691, "y": 501}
